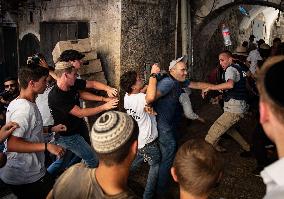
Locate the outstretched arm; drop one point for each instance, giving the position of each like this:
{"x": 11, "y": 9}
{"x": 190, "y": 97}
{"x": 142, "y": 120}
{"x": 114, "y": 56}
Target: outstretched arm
{"x": 199, "y": 85}
{"x": 111, "y": 92}
{"x": 18, "y": 144}
{"x": 92, "y": 97}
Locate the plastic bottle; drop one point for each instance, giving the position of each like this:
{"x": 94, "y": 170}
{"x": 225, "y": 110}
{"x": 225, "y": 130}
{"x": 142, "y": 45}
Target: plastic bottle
{"x": 226, "y": 35}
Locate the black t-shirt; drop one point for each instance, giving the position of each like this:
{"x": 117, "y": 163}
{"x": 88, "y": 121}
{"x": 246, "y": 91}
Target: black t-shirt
{"x": 62, "y": 102}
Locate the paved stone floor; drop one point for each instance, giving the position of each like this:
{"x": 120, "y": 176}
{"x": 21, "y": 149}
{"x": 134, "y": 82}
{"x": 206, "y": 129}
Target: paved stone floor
{"x": 238, "y": 181}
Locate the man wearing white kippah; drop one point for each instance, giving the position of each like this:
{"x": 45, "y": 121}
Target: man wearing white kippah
{"x": 114, "y": 138}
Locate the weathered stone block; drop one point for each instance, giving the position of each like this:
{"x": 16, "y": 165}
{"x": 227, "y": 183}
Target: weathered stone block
{"x": 81, "y": 45}
{"x": 99, "y": 76}
{"x": 90, "y": 56}
{"x": 94, "y": 66}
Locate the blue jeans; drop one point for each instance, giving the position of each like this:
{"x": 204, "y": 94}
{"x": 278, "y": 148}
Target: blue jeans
{"x": 167, "y": 141}
{"x": 149, "y": 153}
{"x": 64, "y": 162}
{"x": 79, "y": 147}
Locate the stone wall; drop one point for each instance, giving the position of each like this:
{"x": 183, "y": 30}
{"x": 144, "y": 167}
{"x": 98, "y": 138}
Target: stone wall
{"x": 125, "y": 34}
{"x": 104, "y": 18}
{"x": 148, "y": 33}
{"x": 209, "y": 43}
{"x": 278, "y": 29}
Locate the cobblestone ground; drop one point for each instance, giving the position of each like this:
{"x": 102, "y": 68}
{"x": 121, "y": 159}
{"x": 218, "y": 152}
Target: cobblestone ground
{"x": 238, "y": 181}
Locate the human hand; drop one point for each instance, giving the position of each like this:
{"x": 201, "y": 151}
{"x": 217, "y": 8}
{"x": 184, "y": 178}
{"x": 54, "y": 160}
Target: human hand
{"x": 7, "y": 130}
{"x": 155, "y": 68}
{"x": 150, "y": 110}
{"x": 43, "y": 63}
{"x": 111, "y": 104}
{"x": 55, "y": 150}
{"x": 204, "y": 92}
{"x": 59, "y": 128}
{"x": 111, "y": 92}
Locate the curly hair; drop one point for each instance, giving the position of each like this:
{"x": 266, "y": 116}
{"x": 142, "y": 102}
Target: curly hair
{"x": 127, "y": 80}
{"x": 70, "y": 55}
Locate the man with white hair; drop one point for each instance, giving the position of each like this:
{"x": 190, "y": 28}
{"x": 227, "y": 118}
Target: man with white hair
{"x": 169, "y": 110}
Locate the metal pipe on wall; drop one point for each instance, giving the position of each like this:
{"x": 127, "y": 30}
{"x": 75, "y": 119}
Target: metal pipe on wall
{"x": 184, "y": 27}
{"x": 176, "y": 29}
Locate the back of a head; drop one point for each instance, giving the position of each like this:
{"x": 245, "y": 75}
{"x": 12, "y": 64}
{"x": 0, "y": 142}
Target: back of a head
{"x": 127, "y": 80}
{"x": 276, "y": 40}
{"x": 28, "y": 73}
{"x": 70, "y": 55}
{"x": 198, "y": 167}
{"x": 259, "y": 42}
{"x": 113, "y": 134}
{"x": 270, "y": 85}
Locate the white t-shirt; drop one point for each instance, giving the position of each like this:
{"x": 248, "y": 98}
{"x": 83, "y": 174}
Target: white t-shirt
{"x": 23, "y": 168}
{"x": 253, "y": 57}
{"x": 134, "y": 105}
{"x": 273, "y": 176}
{"x": 42, "y": 104}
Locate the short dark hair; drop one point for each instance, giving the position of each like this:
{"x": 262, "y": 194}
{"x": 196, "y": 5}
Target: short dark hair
{"x": 269, "y": 79}
{"x": 26, "y": 74}
{"x": 70, "y": 55}
{"x": 227, "y": 52}
{"x": 245, "y": 44}
{"x": 259, "y": 42}
{"x": 277, "y": 39}
{"x": 198, "y": 167}
{"x": 10, "y": 78}
{"x": 118, "y": 156}
{"x": 127, "y": 80}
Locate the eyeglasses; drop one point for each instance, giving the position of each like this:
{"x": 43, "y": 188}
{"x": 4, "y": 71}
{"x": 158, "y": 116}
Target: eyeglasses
{"x": 10, "y": 85}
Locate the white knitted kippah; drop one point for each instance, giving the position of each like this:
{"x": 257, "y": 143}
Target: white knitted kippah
{"x": 111, "y": 131}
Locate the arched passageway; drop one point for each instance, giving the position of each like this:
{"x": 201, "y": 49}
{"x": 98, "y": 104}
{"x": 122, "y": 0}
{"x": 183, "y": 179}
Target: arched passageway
{"x": 207, "y": 38}
{"x": 29, "y": 45}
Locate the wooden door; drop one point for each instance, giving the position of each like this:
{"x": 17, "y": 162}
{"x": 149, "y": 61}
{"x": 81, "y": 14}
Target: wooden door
{"x": 52, "y": 32}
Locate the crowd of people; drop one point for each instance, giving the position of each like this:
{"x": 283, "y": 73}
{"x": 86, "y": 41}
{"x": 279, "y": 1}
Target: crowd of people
{"x": 47, "y": 150}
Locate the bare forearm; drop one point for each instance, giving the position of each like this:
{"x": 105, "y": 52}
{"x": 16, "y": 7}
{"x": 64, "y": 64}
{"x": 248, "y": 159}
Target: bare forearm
{"x": 223, "y": 86}
{"x": 16, "y": 144}
{"x": 85, "y": 112}
{"x": 199, "y": 85}
{"x": 151, "y": 90}
{"x": 53, "y": 75}
{"x": 90, "y": 97}
{"x": 97, "y": 85}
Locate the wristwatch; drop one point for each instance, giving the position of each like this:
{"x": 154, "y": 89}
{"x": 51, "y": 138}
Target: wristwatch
{"x": 153, "y": 75}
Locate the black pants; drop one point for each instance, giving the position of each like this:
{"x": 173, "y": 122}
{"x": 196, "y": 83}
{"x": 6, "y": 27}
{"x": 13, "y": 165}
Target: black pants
{"x": 260, "y": 139}
{"x": 35, "y": 190}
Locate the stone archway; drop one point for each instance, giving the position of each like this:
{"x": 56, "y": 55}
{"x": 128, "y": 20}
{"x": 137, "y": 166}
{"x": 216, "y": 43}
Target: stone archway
{"x": 207, "y": 26}
{"x": 29, "y": 45}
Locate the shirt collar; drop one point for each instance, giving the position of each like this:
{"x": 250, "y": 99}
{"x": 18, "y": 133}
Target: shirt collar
{"x": 274, "y": 173}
